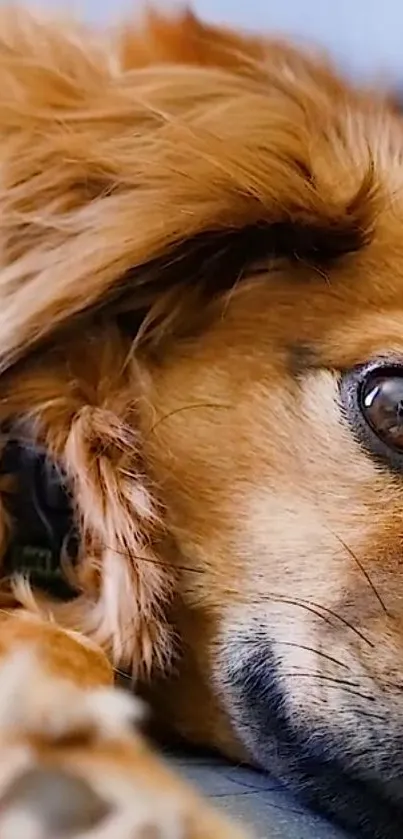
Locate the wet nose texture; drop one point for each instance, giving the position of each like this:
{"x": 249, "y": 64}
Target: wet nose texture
{"x": 59, "y": 802}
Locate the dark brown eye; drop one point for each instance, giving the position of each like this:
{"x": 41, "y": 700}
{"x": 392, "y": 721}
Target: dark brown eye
{"x": 371, "y": 400}
{"x": 382, "y": 407}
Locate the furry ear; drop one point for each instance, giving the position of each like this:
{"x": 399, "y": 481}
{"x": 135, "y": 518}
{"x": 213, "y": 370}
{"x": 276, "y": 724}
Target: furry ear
{"x": 84, "y": 418}
{"x": 106, "y": 172}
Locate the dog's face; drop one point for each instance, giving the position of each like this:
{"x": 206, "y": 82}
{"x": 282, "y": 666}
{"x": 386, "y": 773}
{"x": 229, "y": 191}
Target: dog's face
{"x": 278, "y": 444}
{"x": 276, "y": 436}
{"x": 270, "y": 418}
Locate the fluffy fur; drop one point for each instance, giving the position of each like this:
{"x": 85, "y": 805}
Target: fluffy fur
{"x": 97, "y": 142}
{"x": 198, "y": 230}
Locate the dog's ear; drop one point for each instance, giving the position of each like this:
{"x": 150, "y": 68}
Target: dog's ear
{"x": 116, "y": 180}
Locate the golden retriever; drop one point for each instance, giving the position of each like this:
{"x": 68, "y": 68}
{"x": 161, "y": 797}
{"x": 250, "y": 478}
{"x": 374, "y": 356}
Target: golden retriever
{"x": 201, "y": 331}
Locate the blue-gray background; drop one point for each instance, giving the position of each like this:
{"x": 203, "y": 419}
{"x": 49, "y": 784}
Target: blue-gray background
{"x": 366, "y": 35}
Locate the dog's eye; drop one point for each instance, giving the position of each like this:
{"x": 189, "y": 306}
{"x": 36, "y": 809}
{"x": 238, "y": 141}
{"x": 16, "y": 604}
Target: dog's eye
{"x": 373, "y": 400}
{"x": 382, "y": 407}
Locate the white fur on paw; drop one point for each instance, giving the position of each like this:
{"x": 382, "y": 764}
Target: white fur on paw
{"x": 45, "y": 803}
{"x": 48, "y": 802}
{"x": 148, "y": 816}
{"x": 34, "y": 702}
{"x": 20, "y": 824}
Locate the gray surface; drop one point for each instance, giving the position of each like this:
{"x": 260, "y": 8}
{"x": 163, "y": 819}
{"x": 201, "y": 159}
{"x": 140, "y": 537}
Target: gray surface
{"x": 255, "y": 799}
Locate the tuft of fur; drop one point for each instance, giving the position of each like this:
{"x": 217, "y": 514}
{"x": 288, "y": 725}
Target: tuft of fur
{"x": 56, "y": 709}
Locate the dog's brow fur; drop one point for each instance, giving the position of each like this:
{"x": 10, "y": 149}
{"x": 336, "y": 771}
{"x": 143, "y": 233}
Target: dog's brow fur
{"x": 93, "y": 156}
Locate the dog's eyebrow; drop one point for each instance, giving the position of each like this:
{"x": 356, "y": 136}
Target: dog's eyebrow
{"x": 212, "y": 262}
{"x": 229, "y": 253}
{"x": 209, "y": 264}
{"x": 219, "y": 258}
{"x": 300, "y": 359}
{"x": 202, "y": 266}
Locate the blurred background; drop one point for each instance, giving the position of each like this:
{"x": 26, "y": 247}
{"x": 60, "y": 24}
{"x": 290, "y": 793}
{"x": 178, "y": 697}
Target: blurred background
{"x": 365, "y": 35}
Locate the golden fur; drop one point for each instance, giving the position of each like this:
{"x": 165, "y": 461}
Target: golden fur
{"x": 198, "y": 231}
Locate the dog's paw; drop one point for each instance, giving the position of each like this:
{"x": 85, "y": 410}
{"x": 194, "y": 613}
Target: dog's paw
{"x": 48, "y": 802}
{"x": 72, "y": 766}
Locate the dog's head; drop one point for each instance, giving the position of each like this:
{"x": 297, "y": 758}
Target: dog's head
{"x": 202, "y": 309}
